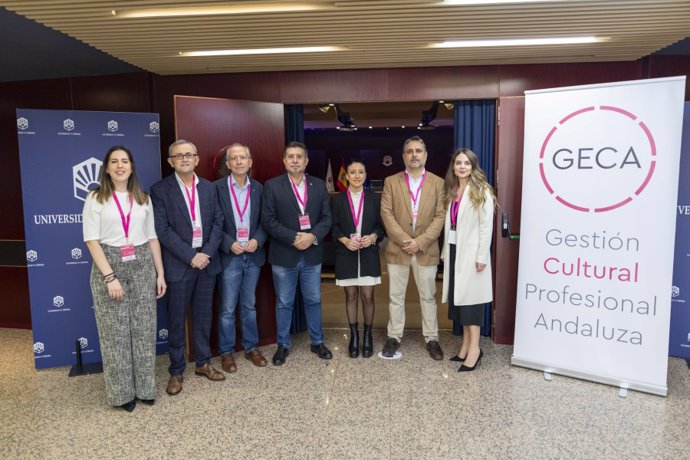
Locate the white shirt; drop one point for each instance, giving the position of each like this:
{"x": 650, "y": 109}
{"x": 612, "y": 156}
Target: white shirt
{"x": 356, "y": 198}
{"x": 415, "y": 184}
{"x": 301, "y": 191}
{"x": 102, "y": 221}
{"x": 197, "y": 210}
{"x": 241, "y": 194}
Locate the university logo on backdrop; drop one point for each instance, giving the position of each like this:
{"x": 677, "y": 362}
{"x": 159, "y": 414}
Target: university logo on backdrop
{"x": 85, "y": 177}
{"x": 597, "y": 159}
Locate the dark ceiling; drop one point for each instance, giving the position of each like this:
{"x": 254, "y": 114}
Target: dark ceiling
{"x": 30, "y": 51}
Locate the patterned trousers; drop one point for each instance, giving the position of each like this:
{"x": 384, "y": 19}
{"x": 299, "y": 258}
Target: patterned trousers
{"x": 127, "y": 327}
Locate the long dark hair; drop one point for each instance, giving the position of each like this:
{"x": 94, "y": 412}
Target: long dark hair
{"x": 478, "y": 183}
{"x": 106, "y": 188}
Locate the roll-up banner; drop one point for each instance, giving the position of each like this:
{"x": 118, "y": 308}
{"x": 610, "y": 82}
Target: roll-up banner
{"x": 600, "y": 185}
{"x": 60, "y": 154}
{"x": 679, "y": 340}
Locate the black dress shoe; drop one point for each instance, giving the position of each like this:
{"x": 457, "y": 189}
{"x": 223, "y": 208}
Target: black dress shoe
{"x": 281, "y": 353}
{"x": 390, "y": 347}
{"x": 322, "y": 351}
{"x": 148, "y": 402}
{"x": 464, "y": 368}
{"x": 129, "y": 407}
{"x": 457, "y": 358}
{"x": 434, "y": 349}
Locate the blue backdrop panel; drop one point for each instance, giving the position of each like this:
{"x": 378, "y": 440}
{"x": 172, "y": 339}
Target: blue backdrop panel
{"x": 60, "y": 154}
{"x": 679, "y": 338}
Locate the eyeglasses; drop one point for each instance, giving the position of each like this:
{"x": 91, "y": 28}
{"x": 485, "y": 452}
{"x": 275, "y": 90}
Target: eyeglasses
{"x": 186, "y": 156}
{"x": 413, "y": 151}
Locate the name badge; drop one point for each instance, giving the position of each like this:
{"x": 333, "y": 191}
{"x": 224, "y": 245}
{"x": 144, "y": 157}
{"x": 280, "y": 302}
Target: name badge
{"x": 243, "y": 235}
{"x": 127, "y": 252}
{"x": 356, "y": 237}
{"x": 304, "y": 223}
{"x": 197, "y": 237}
{"x": 452, "y": 237}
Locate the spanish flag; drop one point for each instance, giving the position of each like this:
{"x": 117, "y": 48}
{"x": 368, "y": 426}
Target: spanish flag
{"x": 342, "y": 177}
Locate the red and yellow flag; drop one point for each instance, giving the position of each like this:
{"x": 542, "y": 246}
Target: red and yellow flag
{"x": 342, "y": 177}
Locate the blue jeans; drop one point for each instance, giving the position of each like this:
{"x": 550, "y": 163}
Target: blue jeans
{"x": 285, "y": 282}
{"x": 238, "y": 282}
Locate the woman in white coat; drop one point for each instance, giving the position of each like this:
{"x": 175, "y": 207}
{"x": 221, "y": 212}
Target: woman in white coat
{"x": 466, "y": 242}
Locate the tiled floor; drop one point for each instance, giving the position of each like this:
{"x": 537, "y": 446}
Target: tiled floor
{"x": 342, "y": 408}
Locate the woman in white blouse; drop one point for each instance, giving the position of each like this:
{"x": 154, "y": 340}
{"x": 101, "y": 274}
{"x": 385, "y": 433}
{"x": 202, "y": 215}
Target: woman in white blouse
{"x": 126, "y": 279}
{"x": 466, "y": 242}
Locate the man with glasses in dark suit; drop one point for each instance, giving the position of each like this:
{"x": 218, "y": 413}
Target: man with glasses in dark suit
{"x": 189, "y": 226}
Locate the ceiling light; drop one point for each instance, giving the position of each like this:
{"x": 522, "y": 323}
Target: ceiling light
{"x": 242, "y": 52}
{"x": 222, "y": 9}
{"x": 491, "y": 2}
{"x": 518, "y": 42}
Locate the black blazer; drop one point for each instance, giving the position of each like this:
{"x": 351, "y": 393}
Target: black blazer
{"x": 279, "y": 217}
{"x": 174, "y": 226}
{"x": 344, "y": 225}
{"x": 256, "y": 231}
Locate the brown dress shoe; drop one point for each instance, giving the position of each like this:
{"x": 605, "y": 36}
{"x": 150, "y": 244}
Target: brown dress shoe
{"x": 256, "y": 358}
{"x": 210, "y": 372}
{"x": 174, "y": 385}
{"x": 228, "y": 362}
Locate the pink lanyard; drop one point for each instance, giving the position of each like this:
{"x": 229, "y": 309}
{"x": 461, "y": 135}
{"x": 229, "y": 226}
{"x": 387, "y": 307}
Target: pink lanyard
{"x": 237, "y": 203}
{"x": 125, "y": 220}
{"x": 414, "y": 196}
{"x": 454, "y": 208}
{"x": 192, "y": 200}
{"x": 355, "y": 218}
{"x": 299, "y": 198}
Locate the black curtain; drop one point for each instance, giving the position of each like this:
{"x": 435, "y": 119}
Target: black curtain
{"x": 294, "y": 131}
{"x": 475, "y": 128}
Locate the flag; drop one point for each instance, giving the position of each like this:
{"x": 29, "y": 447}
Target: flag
{"x": 329, "y": 178}
{"x": 342, "y": 177}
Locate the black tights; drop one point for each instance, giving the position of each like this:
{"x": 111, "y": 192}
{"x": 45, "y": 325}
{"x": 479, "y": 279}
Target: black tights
{"x": 366, "y": 293}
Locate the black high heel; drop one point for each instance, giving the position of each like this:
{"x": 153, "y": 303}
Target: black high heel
{"x": 457, "y": 359}
{"x": 464, "y": 368}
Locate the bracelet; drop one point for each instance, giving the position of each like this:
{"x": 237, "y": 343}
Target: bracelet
{"x": 112, "y": 277}
{"x": 111, "y": 273}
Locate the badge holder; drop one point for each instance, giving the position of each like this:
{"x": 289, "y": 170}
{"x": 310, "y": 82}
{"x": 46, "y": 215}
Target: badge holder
{"x": 304, "y": 222}
{"x": 242, "y": 235}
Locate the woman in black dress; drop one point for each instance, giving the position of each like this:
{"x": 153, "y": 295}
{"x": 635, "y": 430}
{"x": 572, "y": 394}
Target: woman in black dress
{"x": 357, "y": 229}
